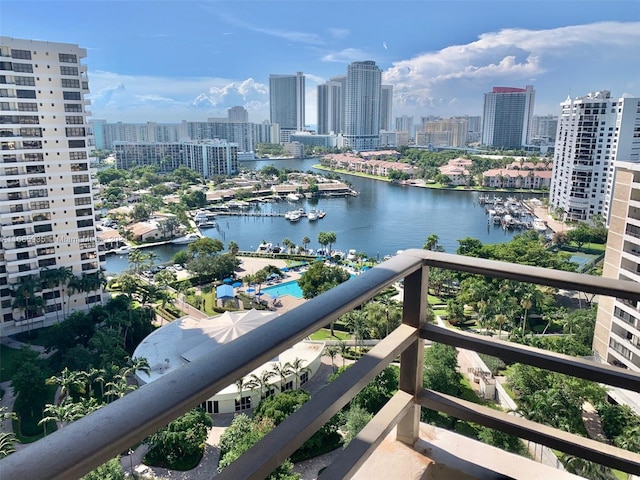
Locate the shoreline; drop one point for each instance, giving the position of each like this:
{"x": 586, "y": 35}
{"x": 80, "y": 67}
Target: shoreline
{"x": 431, "y": 186}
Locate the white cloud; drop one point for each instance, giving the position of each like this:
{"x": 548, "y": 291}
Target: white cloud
{"x": 508, "y": 57}
{"x": 339, "y": 33}
{"x": 347, "y": 55}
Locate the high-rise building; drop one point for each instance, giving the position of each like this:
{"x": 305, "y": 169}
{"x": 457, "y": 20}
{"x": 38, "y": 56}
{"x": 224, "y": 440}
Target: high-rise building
{"x": 331, "y": 105}
{"x": 405, "y": 124}
{"x": 506, "y": 120}
{"x": 46, "y": 199}
{"x": 362, "y": 106}
{"x": 544, "y": 127}
{"x": 449, "y": 133}
{"x": 617, "y": 332}
{"x": 238, "y": 114}
{"x": 386, "y": 107}
{"x": 286, "y": 97}
{"x": 207, "y": 157}
{"x": 593, "y": 132}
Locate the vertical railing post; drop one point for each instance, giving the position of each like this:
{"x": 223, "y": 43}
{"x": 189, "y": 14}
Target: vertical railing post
{"x": 414, "y": 313}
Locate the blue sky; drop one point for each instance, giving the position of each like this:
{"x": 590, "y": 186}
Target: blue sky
{"x": 168, "y": 61}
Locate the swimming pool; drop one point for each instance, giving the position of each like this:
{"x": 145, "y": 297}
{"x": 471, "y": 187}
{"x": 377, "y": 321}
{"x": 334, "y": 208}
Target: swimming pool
{"x": 288, "y": 288}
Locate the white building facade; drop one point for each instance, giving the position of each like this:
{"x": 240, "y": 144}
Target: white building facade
{"x": 593, "y": 132}
{"x": 46, "y": 198}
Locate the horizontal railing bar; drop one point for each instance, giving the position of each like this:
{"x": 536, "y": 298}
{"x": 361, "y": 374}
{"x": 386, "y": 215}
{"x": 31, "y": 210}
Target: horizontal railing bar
{"x": 592, "y": 450}
{"x": 529, "y": 274}
{"x": 146, "y": 410}
{"x": 515, "y": 352}
{"x": 372, "y": 435}
{"x": 267, "y": 454}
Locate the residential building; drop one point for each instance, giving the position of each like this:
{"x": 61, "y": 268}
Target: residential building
{"x": 617, "y": 332}
{"x": 362, "y": 106}
{"x": 286, "y": 102}
{"x": 207, "y": 157}
{"x": 456, "y": 170}
{"x": 507, "y": 117}
{"x": 331, "y": 105}
{"x": 46, "y": 199}
{"x": 455, "y": 130}
{"x": 593, "y": 132}
{"x": 386, "y": 107}
{"x": 544, "y": 127}
{"x": 238, "y": 114}
{"x": 404, "y": 124}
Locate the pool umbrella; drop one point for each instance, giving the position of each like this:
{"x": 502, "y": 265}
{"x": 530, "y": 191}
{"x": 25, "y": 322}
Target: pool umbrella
{"x": 227, "y": 280}
{"x": 284, "y": 269}
{"x": 236, "y": 284}
{"x": 259, "y": 293}
{"x": 251, "y": 290}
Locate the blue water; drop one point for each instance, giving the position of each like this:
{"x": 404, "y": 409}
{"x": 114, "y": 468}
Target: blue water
{"x": 288, "y": 288}
{"x": 383, "y": 219}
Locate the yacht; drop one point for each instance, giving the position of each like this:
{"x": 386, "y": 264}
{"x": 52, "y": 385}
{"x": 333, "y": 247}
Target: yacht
{"x": 321, "y": 214}
{"x": 293, "y": 197}
{"x": 123, "y": 250}
{"x": 312, "y": 215}
{"x": 539, "y": 225}
{"x": 206, "y": 224}
{"x": 265, "y": 248}
{"x": 294, "y": 216}
{"x": 351, "y": 255}
{"x": 188, "y": 238}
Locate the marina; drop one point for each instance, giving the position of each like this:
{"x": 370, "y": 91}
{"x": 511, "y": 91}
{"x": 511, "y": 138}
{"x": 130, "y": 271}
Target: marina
{"x": 382, "y": 219}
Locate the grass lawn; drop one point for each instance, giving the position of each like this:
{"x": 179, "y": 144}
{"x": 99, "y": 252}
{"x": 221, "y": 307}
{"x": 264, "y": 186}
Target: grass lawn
{"x": 325, "y": 334}
{"x": 8, "y": 362}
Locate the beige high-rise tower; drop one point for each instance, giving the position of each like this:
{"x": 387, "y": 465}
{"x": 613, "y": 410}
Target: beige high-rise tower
{"x": 49, "y": 256}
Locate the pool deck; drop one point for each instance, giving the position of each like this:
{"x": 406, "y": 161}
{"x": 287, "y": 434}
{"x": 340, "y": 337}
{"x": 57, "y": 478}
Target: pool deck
{"x": 251, "y": 265}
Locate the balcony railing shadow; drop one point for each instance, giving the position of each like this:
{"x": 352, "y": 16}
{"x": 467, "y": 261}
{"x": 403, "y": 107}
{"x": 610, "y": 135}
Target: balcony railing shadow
{"x": 87, "y": 443}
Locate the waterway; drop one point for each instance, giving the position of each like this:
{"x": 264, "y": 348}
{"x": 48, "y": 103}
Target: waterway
{"x": 381, "y": 220}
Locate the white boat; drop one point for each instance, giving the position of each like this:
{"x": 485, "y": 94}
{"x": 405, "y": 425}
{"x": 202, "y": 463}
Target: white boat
{"x": 293, "y": 197}
{"x": 294, "y": 216}
{"x": 351, "y": 255}
{"x": 539, "y": 225}
{"x": 206, "y": 224}
{"x": 312, "y": 215}
{"x": 188, "y": 238}
{"x": 123, "y": 250}
{"x": 265, "y": 248}
{"x": 201, "y": 217}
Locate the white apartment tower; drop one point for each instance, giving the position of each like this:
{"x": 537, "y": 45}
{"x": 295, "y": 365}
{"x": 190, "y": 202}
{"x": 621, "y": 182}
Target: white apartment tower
{"x": 362, "y": 106}
{"x": 238, "y": 114}
{"x": 286, "y": 102}
{"x": 46, "y": 199}
{"x": 331, "y": 105}
{"x": 386, "y": 107}
{"x": 507, "y": 117}
{"x": 593, "y": 132}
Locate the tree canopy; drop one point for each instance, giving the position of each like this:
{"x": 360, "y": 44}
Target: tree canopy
{"x": 319, "y": 278}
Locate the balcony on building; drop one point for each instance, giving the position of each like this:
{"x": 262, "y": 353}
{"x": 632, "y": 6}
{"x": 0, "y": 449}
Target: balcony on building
{"x": 394, "y": 444}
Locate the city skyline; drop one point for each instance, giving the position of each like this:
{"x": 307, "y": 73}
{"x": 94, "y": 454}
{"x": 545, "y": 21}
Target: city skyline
{"x": 172, "y": 61}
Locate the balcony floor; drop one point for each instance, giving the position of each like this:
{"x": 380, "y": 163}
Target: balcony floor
{"x": 440, "y": 454}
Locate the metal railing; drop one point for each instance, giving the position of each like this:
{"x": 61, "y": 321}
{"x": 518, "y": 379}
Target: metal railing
{"x": 85, "y": 444}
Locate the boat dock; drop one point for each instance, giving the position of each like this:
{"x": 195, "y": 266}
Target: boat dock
{"x": 248, "y": 214}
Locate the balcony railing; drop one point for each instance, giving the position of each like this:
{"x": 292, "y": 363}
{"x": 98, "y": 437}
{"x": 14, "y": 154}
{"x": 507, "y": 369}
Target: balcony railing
{"x": 87, "y": 443}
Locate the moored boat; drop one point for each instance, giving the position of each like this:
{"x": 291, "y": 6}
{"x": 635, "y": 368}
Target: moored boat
{"x": 188, "y": 238}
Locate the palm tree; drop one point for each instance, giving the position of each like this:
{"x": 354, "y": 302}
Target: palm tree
{"x": 500, "y": 320}
{"x": 74, "y": 285}
{"x": 137, "y": 258}
{"x": 526, "y": 303}
{"x": 240, "y": 384}
{"x": 356, "y": 323}
{"x": 26, "y": 298}
{"x": 431, "y": 242}
{"x": 261, "y": 382}
{"x": 343, "y": 349}
{"x": 332, "y": 352}
{"x": 233, "y": 248}
{"x": 283, "y": 370}
{"x": 305, "y": 241}
{"x": 298, "y": 369}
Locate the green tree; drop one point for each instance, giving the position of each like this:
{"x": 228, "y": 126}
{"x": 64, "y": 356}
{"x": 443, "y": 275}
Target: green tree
{"x": 184, "y": 438}
{"x": 206, "y": 246}
{"x": 320, "y": 278}
{"x": 111, "y": 470}
{"x": 356, "y": 418}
